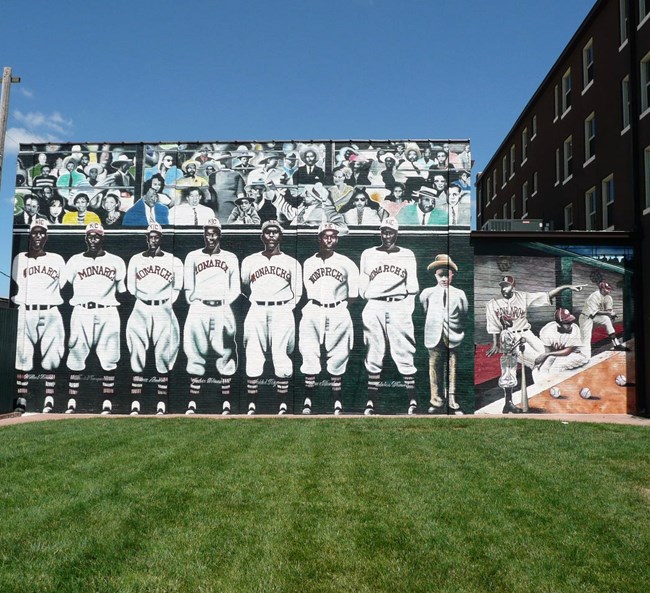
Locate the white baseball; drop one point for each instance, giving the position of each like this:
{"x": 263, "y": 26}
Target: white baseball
{"x": 621, "y": 380}
{"x": 555, "y": 392}
{"x": 585, "y": 393}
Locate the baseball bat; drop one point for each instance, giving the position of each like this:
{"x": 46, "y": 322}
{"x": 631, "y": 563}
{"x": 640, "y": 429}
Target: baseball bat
{"x": 524, "y": 390}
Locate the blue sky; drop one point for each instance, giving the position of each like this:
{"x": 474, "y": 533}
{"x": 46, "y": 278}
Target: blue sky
{"x": 273, "y": 70}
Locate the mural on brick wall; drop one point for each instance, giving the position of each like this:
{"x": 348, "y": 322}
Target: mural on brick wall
{"x": 553, "y": 330}
{"x": 248, "y": 278}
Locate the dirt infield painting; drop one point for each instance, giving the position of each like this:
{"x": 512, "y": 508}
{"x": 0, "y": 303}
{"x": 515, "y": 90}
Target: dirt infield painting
{"x": 553, "y": 331}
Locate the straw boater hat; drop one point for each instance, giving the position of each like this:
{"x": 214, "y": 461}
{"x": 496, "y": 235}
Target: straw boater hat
{"x": 306, "y": 149}
{"x": 69, "y": 159}
{"x": 190, "y": 162}
{"x": 442, "y": 261}
{"x": 269, "y": 156}
{"x": 426, "y": 192}
{"x": 387, "y": 155}
{"x": 412, "y": 146}
{"x": 100, "y": 168}
{"x": 120, "y": 160}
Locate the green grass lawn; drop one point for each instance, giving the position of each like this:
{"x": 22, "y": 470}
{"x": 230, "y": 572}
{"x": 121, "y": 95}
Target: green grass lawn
{"x": 315, "y": 505}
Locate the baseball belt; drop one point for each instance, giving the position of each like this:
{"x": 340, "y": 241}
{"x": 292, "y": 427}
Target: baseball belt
{"x": 271, "y": 303}
{"x": 94, "y": 306}
{"x": 390, "y": 299}
{"x": 214, "y": 303}
{"x": 327, "y": 305}
{"x": 155, "y": 303}
{"x": 38, "y": 307}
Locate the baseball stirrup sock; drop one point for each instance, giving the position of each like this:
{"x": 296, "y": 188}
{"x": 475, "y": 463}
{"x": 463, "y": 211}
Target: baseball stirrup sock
{"x": 108, "y": 384}
{"x": 22, "y": 384}
{"x": 409, "y": 382}
{"x": 162, "y": 387}
{"x": 50, "y": 384}
{"x": 251, "y": 387}
{"x": 195, "y": 386}
{"x": 225, "y": 387}
{"x": 73, "y": 385}
{"x": 373, "y": 385}
{"x": 136, "y": 385}
{"x": 282, "y": 388}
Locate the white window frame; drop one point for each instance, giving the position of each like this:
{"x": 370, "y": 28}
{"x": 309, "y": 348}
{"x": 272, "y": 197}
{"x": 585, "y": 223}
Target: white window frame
{"x": 504, "y": 211}
{"x": 513, "y": 158}
{"x": 567, "y": 85}
{"x": 590, "y": 138}
{"x": 587, "y": 65}
{"x": 524, "y": 145}
{"x": 513, "y": 206}
{"x": 622, "y": 22}
{"x": 567, "y": 159}
{"x": 535, "y": 184}
{"x": 646, "y": 167}
{"x": 568, "y": 217}
{"x": 556, "y": 103}
{"x": 644, "y": 13}
{"x": 494, "y": 183}
{"x": 591, "y": 213}
{"x": 524, "y": 199}
{"x": 625, "y": 104}
{"x": 489, "y": 189}
{"x": 557, "y": 166}
{"x": 504, "y": 170}
{"x": 608, "y": 195}
{"x": 645, "y": 85}
{"x": 534, "y": 126}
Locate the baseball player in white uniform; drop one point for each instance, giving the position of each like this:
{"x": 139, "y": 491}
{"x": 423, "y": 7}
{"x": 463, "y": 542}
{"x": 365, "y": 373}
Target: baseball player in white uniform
{"x": 274, "y": 282}
{"x": 388, "y": 281}
{"x": 330, "y": 280}
{"x": 39, "y": 277}
{"x": 599, "y": 309}
{"x": 513, "y": 305}
{"x": 563, "y": 344}
{"x": 155, "y": 279}
{"x": 95, "y": 276}
{"x": 211, "y": 287}
{"x": 446, "y": 309}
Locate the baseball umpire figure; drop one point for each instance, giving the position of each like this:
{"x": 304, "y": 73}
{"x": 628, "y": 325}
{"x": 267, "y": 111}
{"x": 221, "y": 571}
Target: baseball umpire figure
{"x": 155, "y": 279}
{"x": 95, "y": 276}
{"x": 39, "y": 277}
{"x": 211, "y": 287}
{"x": 274, "y": 281}
{"x": 330, "y": 279}
{"x": 389, "y": 282}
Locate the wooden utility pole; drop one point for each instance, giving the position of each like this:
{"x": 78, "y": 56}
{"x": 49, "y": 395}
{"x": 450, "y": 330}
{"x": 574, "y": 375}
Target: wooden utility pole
{"x": 7, "y": 79}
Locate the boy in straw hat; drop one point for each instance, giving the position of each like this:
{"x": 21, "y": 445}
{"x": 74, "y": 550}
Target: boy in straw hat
{"x": 445, "y": 307}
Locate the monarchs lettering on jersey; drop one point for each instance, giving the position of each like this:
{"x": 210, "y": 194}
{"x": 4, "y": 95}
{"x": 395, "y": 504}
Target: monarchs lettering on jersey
{"x": 211, "y": 263}
{"x": 157, "y": 270}
{"x": 386, "y": 269}
{"x": 326, "y": 272}
{"x": 46, "y": 270}
{"x": 97, "y": 271}
{"x": 511, "y": 312}
{"x": 274, "y": 270}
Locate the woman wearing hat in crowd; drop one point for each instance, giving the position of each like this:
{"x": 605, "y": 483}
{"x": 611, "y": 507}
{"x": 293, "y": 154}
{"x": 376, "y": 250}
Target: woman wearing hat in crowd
{"x": 166, "y": 168}
{"x": 388, "y": 174}
{"x": 341, "y": 192}
{"x": 396, "y": 200}
{"x": 110, "y": 213}
{"x": 82, "y": 216}
{"x": 94, "y": 175}
{"x": 361, "y": 210}
{"x": 244, "y": 212}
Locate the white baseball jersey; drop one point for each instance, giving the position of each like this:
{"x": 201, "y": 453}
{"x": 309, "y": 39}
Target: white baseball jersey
{"x": 212, "y": 276}
{"x": 95, "y": 279}
{"x": 333, "y": 279}
{"x": 555, "y": 340}
{"x": 154, "y": 278}
{"x": 278, "y": 278}
{"x": 597, "y": 302}
{"x": 388, "y": 274}
{"x": 39, "y": 279}
{"x": 514, "y": 308}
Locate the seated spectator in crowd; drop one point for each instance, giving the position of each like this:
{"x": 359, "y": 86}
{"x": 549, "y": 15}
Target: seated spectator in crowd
{"x": 361, "y": 210}
{"x": 45, "y": 177}
{"x": 341, "y": 192}
{"x": 396, "y": 200}
{"x": 55, "y": 210}
{"x": 146, "y": 210}
{"x": 110, "y": 213}
{"x": 423, "y": 212}
{"x": 31, "y": 208}
{"x": 244, "y": 212}
{"x": 191, "y": 212}
{"x": 82, "y": 216}
{"x": 72, "y": 177}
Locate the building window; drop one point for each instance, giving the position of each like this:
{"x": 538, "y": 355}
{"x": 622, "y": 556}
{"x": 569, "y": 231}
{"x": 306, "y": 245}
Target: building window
{"x": 505, "y": 210}
{"x": 524, "y": 199}
{"x": 494, "y": 183}
{"x": 566, "y": 91}
{"x": 623, "y": 19}
{"x": 625, "y": 103}
{"x": 524, "y": 145}
{"x": 646, "y": 156}
{"x": 607, "y": 192}
{"x": 568, "y": 217}
{"x": 590, "y": 137}
{"x": 504, "y": 170}
{"x": 534, "y": 183}
{"x": 489, "y": 189}
{"x": 556, "y": 97}
{"x": 645, "y": 83}
{"x": 590, "y": 209}
{"x": 534, "y": 126}
{"x": 644, "y": 10}
{"x": 512, "y": 160}
{"x": 512, "y": 207}
{"x": 588, "y": 64}
{"x": 557, "y": 166}
{"x": 568, "y": 159}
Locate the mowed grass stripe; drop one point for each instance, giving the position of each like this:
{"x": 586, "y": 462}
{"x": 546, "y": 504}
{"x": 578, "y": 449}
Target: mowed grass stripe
{"x": 149, "y": 505}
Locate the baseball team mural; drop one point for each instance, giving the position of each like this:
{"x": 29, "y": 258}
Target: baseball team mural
{"x": 297, "y": 278}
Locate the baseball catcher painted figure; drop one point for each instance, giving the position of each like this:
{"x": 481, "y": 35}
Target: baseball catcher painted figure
{"x": 95, "y": 276}
{"x": 330, "y": 279}
{"x": 211, "y": 287}
{"x": 155, "y": 279}
{"x": 39, "y": 276}
{"x": 273, "y": 281}
{"x": 388, "y": 281}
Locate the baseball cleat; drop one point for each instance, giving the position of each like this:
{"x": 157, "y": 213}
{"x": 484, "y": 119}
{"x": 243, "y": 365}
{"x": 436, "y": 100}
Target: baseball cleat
{"x": 306, "y": 409}
{"x": 621, "y": 348}
{"x": 437, "y": 402}
{"x": 283, "y": 409}
{"x": 21, "y": 405}
{"x": 454, "y": 406}
{"x": 191, "y": 408}
{"x": 72, "y": 406}
{"x": 48, "y": 405}
{"x": 510, "y": 408}
{"x": 135, "y": 408}
{"x": 251, "y": 409}
{"x": 160, "y": 408}
{"x": 107, "y": 407}
{"x": 370, "y": 409}
{"x": 338, "y": 408}
{"x": 413, "y": 406}
{"x": 226, "y": 408}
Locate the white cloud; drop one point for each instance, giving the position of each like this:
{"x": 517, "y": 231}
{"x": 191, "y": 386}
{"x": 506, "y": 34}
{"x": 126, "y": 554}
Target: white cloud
{"x": 17, "y": 136}
{"x": 34, "y": 120}
{"x": 25, "y": 92}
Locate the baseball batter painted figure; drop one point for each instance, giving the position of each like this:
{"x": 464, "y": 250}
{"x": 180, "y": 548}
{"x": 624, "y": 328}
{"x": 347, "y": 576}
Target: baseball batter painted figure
{"x": 599, "y": 309}
{"x": 155, "y": 279}
{"x": 95, "y": 276}
{"x": 274, "y": 283}
{"x": 211, "y": 287}
{"x": 330, "y": 280}
{"x": 39, "y": 276}
{"x": 513, "y": 305}
{"x": 388, "y": 281}
{"x": 446, "y": 309}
